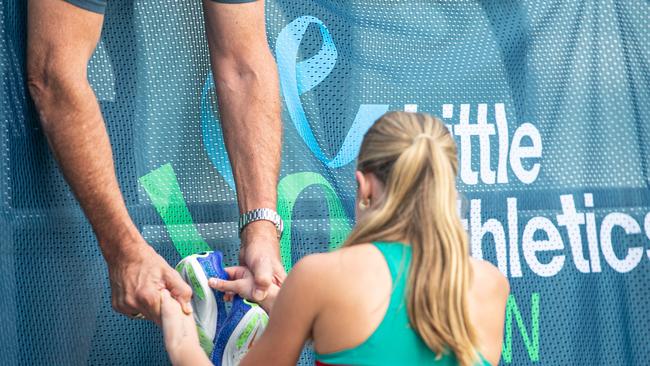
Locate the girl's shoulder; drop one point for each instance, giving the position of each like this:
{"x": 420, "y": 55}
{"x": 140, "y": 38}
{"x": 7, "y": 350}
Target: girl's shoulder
{"x": 487, "y": 281}
{"x": 351, "y": 285}
{"x": 487, "y": 297}
{"x": 340, "y": 262}
{"x": 346, "y": 270}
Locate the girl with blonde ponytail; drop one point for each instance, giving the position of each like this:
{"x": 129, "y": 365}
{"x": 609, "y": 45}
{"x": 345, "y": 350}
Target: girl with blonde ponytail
{"x": 403, "y": 290}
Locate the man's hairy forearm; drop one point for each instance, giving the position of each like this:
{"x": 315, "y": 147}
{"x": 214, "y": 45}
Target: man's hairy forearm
{"x": 78, "y": 138}
{"x": 249, "y": 105}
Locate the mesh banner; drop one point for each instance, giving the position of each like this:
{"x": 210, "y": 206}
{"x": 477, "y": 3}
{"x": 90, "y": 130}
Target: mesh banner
{"x": 549, "y": 102}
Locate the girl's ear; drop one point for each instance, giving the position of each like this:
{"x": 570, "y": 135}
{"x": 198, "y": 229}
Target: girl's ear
{"x": 363, "y": 186}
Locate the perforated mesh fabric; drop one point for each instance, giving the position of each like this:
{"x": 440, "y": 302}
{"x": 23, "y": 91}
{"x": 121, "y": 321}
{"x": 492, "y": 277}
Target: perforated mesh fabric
{"x": 568, "y": 81}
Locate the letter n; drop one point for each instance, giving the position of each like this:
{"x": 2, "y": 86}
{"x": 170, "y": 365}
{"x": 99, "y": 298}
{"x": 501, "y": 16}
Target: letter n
{"x": 531, "y": 340}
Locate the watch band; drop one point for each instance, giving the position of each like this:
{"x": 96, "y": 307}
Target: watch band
{"x": 261, "y": 214}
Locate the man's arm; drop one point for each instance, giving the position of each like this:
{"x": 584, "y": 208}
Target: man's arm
{"x": 61, "y": 39}
{"x": 246, "y": 81}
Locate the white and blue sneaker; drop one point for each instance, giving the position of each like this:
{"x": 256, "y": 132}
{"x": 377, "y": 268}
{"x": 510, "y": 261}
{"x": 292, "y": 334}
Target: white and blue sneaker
{"x": 208, "y": 306}
{"x": 244, "y": 325}
{"x": 225, "y": 338}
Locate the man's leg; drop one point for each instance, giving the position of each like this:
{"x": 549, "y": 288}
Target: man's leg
{"x": 60, "y": 41}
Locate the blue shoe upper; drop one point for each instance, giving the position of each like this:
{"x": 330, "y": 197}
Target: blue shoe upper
{"x": 212, "y": 265}
{"x": 237, "y": 312}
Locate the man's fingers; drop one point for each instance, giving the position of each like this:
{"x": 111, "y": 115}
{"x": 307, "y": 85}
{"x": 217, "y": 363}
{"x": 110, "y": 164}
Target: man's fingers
{"x": 279, "y": 275}
{"x": 165, "y": 304}
{"x": 148, "y": 301}
{"x": 236, "y": 272}
{"x": 168, "y": 305}
{"x": 180, "y": 291}
{"x": 263, "y": 277}
{"x": 121, "y": 306}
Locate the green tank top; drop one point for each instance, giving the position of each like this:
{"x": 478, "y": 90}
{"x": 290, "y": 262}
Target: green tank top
{"x": 394, "y": 342}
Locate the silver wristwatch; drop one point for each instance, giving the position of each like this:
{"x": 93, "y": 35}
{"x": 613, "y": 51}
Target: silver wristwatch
{"x": 261, "y": 214}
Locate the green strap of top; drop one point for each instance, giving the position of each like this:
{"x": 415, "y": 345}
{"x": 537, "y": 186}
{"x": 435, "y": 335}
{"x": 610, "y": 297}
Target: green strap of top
{"x": 394, "y": 342}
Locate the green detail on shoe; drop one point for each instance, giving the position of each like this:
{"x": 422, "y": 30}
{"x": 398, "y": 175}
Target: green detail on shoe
{"x": 180, "y": 266}
{"x": 196, "y": 285}
{"x": 247, "y": 331}
{"x": 165, "y": 194}
{"x": 206, "y": 343}
{"x": 252, "y": 304}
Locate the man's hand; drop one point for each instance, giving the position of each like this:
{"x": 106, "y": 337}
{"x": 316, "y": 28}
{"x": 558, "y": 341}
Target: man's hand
{"x": 260, "y": 252}
{"x": 137, "y": 276}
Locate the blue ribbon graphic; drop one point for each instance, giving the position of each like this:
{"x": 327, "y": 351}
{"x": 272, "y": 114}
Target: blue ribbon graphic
{"x": 296, "y": 78}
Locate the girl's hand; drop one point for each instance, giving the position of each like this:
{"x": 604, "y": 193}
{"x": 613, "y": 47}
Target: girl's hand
{"x": 242, "y": 283}
{"x": 179, "y": 330}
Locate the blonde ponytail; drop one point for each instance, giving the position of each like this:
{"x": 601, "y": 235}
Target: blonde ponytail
{"x": 414, "y": 155}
